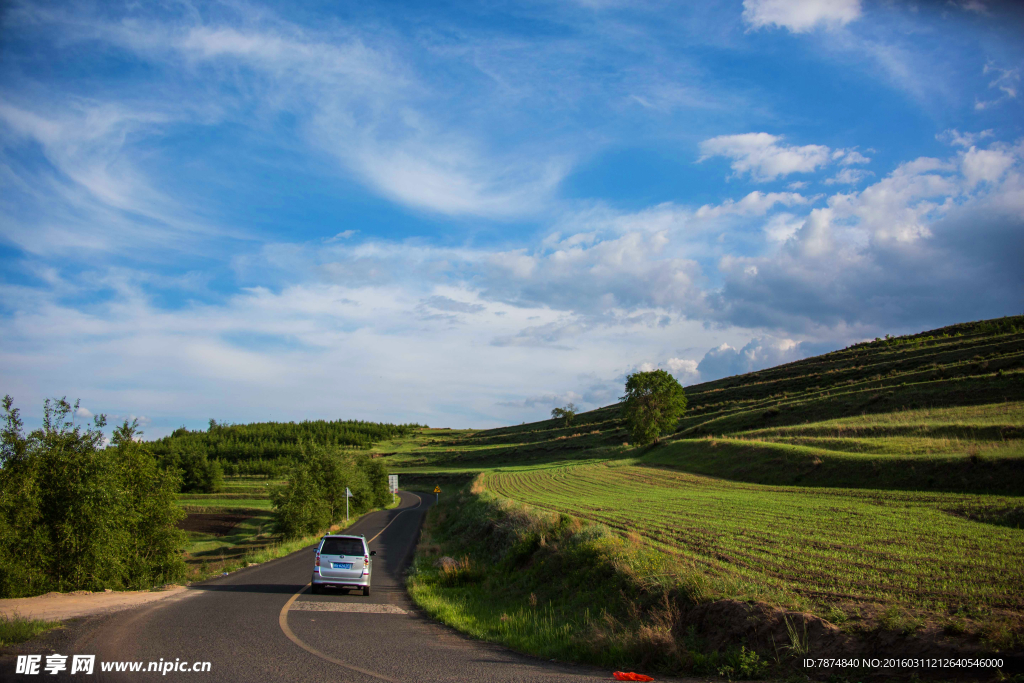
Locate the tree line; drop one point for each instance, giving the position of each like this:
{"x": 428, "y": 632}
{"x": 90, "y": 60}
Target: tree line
{"x": 277, "y": 440}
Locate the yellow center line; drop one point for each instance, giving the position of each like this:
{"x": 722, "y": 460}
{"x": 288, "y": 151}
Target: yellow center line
{"x": 282, "y": 618}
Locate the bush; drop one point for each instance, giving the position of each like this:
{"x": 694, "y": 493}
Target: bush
{"x": 74, "y": 516}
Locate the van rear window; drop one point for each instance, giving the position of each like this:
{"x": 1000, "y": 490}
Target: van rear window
{"x": 341, "y": 546}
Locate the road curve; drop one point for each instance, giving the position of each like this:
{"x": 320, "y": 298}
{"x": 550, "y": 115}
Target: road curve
{"x": 262, "y": 624}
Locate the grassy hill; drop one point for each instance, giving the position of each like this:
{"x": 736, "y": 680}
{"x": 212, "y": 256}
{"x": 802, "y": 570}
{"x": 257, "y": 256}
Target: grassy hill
{"x": 942, "y": 410}
{"x": 875, "y": 493}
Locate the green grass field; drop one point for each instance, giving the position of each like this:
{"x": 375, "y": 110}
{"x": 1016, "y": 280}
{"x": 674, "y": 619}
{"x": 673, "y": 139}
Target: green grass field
{"x": 800, "y": 547}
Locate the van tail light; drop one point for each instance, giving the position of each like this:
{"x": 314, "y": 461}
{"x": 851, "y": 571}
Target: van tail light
{"x": 366, "y": 564}
{"x": 318, "y": 558}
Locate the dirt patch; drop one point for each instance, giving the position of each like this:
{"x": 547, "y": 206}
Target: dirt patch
{"x": 216, "y": 523}
{"x": 60, "y": 606}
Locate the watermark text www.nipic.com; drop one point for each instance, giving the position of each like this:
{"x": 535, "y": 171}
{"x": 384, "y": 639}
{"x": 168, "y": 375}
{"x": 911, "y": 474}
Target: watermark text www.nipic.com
{"x": 86, "y": 664}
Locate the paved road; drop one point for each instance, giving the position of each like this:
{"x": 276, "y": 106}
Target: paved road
{"x": 262, "y": 624}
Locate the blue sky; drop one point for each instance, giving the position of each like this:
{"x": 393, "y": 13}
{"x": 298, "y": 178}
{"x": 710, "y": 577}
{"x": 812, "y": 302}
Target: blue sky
{"x": 465, "y": 216}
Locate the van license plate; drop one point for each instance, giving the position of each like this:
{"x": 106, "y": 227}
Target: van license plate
{"x": 341, "y": 565}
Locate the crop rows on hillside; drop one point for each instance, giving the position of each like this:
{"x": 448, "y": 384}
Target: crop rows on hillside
{"x": 915, "y": 549}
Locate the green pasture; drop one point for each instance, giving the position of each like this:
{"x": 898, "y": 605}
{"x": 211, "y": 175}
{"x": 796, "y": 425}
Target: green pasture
{"x": 801, "y": 547}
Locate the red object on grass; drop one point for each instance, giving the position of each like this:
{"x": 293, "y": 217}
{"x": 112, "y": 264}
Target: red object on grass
{"x": 630, "y": 676}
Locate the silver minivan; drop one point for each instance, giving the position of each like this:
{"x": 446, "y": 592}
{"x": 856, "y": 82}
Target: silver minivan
{"x": 343, "y": 562}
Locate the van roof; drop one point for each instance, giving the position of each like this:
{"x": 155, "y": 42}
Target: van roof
{"x": 344, "y": 536}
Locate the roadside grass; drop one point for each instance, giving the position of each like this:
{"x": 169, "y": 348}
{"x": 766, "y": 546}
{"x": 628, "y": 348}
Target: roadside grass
{"x": 802, "y": 548}
{"x": 560, "y": 588}
{"x": 17, "y": 629}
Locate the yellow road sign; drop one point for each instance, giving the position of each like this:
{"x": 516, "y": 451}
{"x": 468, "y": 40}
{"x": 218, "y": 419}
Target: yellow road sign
{"x": 437, "y": 489}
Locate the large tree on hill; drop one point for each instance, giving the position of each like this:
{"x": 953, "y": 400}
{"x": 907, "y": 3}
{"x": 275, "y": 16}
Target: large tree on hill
{"x": 567, "y": 413}
{"x": 653, "y": 403}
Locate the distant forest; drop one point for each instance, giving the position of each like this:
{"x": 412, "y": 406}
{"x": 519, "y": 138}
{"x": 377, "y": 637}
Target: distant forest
{"x": 274, "y": 441}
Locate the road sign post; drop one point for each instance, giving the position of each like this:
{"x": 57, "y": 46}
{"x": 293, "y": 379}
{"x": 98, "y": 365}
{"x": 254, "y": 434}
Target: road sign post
{"x": 393, "y": 485}
{"x": 437, "y": 490}
{"x": 348, "y": 494}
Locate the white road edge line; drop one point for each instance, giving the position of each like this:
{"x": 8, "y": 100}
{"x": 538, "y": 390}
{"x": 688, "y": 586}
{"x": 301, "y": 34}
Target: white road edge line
{"x": 282, "y": 618}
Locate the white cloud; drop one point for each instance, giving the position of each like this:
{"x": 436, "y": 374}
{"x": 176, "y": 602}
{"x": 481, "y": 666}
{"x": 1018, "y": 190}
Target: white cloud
{"x": 782, "y": 226}
{"x": 754, "y": 204}
{"x": 684, "y": 370}
{"x": 908, "y": 251}
{"x": 984, "y": 165}
{"x": 761, "y": 155}
{"x": 848, "y": 176}
{"x": 850, "y": 156}
{"x": 951, "y": 136}
{"x": 800, "y": 16}
{"x": 343, "y": 235}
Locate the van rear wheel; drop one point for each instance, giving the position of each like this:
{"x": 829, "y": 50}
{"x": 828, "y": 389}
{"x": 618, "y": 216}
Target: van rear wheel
{"x": 314, "y": 589}
{"x": 366, "y": 591}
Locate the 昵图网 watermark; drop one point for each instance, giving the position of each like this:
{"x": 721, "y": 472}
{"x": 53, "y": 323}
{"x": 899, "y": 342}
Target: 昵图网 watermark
{"x": 86, "y": 664}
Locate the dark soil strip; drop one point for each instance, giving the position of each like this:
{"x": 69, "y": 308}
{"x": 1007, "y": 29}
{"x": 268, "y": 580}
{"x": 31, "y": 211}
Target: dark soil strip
{"x": 218, "y": 524}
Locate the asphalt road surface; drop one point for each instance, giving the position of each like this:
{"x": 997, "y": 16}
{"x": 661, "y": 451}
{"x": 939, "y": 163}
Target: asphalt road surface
{"x": 262, "y": 624}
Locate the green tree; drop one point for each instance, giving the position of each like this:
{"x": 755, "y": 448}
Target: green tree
{"x": 298, "y": 505}
{"x": 654, "y": 402}
{"x": 76, "y": 516}
{"x": 77, "y": 501}
{"x": 150, "y": 544}
{"x": 22, "y": 541}
{"x": 314, "y": 497}
{"x": 377, "y": 477}
{"x": 566, "y": 413}
{"x": 199, "y": 474}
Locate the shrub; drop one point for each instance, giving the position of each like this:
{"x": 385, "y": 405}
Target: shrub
{"x": 74, "y": 516}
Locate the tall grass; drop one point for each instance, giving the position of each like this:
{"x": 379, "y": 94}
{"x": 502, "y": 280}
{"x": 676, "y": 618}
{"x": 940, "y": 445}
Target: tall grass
{"x": 17, "y": 629}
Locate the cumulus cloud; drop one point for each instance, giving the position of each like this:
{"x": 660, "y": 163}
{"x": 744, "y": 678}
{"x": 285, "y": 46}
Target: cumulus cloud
{"x": 763, "y": 157}
{"x": 759, "y": 353}
{"x": 800, "y": 16}
{"x": 984, "y": 165}
{"x": 684, "y": 370}
{"x": 911, "y": 249}
{"x": 782, "y": 226}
